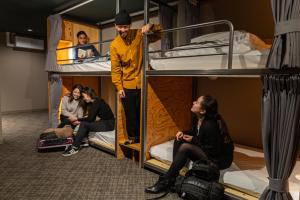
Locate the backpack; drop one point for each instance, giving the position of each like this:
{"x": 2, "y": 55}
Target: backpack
{"x": 200, "y": 182}
{"x": 205, "y": 170}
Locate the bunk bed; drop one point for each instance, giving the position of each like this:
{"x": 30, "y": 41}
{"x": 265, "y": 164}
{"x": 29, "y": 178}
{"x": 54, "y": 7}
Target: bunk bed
{"x": 93, "y": 72}
{"x": 169, "y": 87}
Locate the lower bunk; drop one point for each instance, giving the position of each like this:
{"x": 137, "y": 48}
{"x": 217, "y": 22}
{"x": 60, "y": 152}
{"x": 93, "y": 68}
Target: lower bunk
{"x": 246, "y": 178}
{"x": 103, "y": 140}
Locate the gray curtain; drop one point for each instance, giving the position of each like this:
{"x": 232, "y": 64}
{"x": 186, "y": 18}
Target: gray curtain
{"x": 189, "y": 14}
{"x": 54, "y": 37}
{"x": 55, "y": 94}
{"x": 166, "y": 16}
{"x": 285, "y": 52}
{"x": 281, "y": 132}
{"x": 1, "y": 134}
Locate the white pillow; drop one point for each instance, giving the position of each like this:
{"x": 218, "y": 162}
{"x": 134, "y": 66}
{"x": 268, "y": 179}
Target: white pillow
{"x": 241, "y": 41}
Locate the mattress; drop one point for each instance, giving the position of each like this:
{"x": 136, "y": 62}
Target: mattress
{"x": 254, "y": 59}
{"x": 95, "y": 66}
{"x": 247, "y": 172}
{"x": 107, "y": 137}
{"x": 208, "y": 52}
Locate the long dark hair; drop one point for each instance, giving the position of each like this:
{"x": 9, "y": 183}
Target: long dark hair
{"x": 81, "y": 103}
{"x": 210, "y": 105}
{"x": 90, "y": 92}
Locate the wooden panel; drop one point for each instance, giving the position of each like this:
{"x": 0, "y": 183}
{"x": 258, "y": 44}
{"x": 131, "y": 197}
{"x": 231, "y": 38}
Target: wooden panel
{"x": 65, "y": 53}
{"x": 240, "y": 104}
{"x": 88, "y": 81}
{"x": 91, "y": 31}
{"x": 168, "y": 108}
{"x": 67, "y": 30}
{"x": 67, "y": 85}
{"x": 121, "y": 128}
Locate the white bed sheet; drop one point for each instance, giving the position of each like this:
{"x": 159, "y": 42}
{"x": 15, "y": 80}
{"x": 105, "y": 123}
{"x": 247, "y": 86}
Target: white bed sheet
{"x": 254, "y": 180}
{"x": 249, "y": 60}
{"x": 107, "y": 137}
{"x": 85, "y": 67}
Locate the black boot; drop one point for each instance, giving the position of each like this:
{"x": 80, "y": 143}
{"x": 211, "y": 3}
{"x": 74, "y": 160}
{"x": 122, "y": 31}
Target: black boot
{"x": 163, "y": 184}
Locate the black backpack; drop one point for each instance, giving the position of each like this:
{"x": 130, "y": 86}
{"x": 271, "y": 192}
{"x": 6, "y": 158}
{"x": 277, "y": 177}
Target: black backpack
{"x": 200, "y": 182}
{"x": 205, "y": 170}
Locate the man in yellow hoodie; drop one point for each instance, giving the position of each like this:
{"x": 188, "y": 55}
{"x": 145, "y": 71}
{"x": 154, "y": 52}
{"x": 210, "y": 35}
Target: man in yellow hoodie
{"x": 126, "y": 55}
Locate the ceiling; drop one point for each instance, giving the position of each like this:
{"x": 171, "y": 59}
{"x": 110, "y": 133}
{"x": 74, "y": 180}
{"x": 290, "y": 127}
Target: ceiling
{"x": 20, "y": 15}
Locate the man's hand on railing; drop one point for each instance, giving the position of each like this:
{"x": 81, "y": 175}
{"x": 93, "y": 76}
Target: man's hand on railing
{"x": 147, "y": 28}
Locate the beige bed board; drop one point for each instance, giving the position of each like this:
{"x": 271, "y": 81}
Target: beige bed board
{"x": 96, "y": 142}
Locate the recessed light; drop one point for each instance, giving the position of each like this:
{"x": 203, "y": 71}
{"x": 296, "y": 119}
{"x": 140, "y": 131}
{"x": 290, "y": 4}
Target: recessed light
{"x": 29, "y": 30}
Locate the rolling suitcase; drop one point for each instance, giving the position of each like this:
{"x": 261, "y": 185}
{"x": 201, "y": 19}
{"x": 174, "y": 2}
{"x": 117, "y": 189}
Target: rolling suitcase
{"x": 50, "y": 141}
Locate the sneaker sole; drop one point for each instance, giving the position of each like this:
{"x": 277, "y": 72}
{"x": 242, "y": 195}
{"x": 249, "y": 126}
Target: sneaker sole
{"x": 66, "y": 155}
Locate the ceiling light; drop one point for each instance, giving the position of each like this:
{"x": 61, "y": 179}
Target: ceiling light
{"x": 29, "y": 30}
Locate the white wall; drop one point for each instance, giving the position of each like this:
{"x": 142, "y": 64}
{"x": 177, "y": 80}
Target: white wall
{"x": 23, "y": 80}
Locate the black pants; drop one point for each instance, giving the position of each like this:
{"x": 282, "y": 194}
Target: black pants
{"x": 86, "y": 127}
{"x": 64, "y": 120}
{"x": 132, "y": 105}
{"x": 183, "y": 151}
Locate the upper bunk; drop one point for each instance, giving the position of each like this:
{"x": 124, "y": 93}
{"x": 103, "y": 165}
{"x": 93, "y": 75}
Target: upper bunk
{"x": 84, "y": 63}
{"x": 219, "y": 53}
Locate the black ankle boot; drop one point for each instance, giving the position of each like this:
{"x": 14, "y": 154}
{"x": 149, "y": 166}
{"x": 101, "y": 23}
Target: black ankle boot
{"x": 163, "y": 184}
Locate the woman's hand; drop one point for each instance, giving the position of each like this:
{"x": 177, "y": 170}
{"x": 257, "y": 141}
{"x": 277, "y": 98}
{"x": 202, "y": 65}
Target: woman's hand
{"x": 187, "y": 138}
{"x": 76, "y": 122}
{"x": 179, "y": 135}
{"x": 72, "y": 119}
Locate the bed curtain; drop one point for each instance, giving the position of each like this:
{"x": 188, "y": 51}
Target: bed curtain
{"x": 55, "y": 94}
{"x": 1, "y": 136}
{"x": 285, "y": 51}
{"x": 166, "y": 16}
{"x": 281, "y": 101}
{"x": 53, "y": 40}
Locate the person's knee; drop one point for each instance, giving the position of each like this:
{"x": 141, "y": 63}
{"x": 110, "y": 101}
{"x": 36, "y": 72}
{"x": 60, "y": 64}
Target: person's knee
{"x": 185, "y": 147}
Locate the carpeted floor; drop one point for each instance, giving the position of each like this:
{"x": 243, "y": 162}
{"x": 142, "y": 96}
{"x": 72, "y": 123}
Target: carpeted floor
{"x": 90, "y": 174}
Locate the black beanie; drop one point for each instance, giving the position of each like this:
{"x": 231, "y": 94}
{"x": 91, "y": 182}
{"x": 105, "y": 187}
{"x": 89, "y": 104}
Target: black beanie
{"x": 122, "y": 18}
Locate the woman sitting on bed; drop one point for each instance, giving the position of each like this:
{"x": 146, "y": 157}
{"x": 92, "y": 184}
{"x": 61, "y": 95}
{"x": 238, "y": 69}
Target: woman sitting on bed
{"x": 97, "y": 108}
{"x": 87, "y": 51}
{"x": 72, "y": 105}
{"x": 208, "y": 139}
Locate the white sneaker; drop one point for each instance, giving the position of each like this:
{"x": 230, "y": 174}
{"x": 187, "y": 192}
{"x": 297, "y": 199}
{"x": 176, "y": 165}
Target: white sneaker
{"x": 70, "y": 151}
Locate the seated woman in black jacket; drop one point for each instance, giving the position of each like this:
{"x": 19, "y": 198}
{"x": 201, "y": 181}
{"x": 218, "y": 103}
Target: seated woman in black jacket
{"x": 96, "y": 107}
{"x": 208, "y": 139}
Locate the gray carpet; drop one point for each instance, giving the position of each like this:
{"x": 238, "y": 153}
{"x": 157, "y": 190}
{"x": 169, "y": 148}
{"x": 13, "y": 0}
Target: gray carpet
{"x": 90, "y": 174}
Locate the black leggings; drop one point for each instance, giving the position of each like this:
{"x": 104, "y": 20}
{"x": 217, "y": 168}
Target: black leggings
{"x": 86, "y": 127}
{"x": 183, "y": 151}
